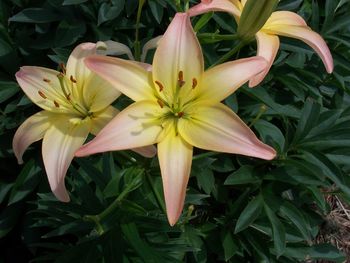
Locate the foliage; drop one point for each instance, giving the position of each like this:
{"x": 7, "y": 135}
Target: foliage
{"x": 237, "y": 209}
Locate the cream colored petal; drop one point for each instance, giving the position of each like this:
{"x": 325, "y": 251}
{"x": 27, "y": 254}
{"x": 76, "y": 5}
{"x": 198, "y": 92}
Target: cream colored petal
{"x": 42, "y": 87}
{"x": 305, "y": 34}
{"x": 150, "y": 44}
{"x": 217, "y": 128}
{"x": 233, "y": 7}
{"x": 222, "y": 80}
{"x": 31, "y": 130}
{"x": 268, "y": 46}
{"x": 60, "y": 142}
{"x": 285, "y": 18}
{"x": 99, "y": 93}
{"x": 178, "y": 51}
{"x": 134, "y": 127}
{"x": 128, "y": 77}
{"x": 102, "y": 118}
{"x": 113, "y": 48}
{"x": 175, "y": 159}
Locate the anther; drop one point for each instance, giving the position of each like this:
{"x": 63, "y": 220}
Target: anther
{"x": 46, "y": 80}
{"x": 42, "y": 94}
{"x": 180, "y": 114}
{"x": 160, "y": 85}
{"x": 181, "y": 78}
{"x": 56, "y": 104}
{"x": 72, "y": 79}
{"x": 194, "y": 83}
{"x": 161, "y": 104}
{"x": 60, "y": 75}
{"x": 68, "y": 96}
{"x": 63, "y": 68}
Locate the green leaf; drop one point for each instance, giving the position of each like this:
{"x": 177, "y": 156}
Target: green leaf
{"x": 244, "y": 175}
{"x": 157, "y": 10}
{"x": 278, "y": 231}
{"x": 36, "y": 15}
{"x": 9, "y": 217}
{"x": 73, "y": 2}
{"x": 230, "y": 247}
{"x": 7, "y": 89}
{"x": 68, "y": 33}
{"x": 250, "y": 213}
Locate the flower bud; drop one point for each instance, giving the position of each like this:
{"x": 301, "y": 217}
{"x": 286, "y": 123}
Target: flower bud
{"x": 254, "y": 15}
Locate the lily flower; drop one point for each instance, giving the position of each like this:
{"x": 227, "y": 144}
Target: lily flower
{"x": 280, "y": 23}
{"x": 177, "y": 106}
{"x": 75, "y": 102}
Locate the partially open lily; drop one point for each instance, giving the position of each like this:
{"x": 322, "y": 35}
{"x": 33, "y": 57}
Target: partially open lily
{"x": 75, "y": 102}
{"x": 177, "y": 105}
{"x": 280, "y": 23}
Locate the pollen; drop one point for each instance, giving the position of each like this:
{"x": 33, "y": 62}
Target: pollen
{"x": 180, "y": 114}
{"x": 72, "y": 79}
{"x": 56, "y": 104}
{"x": 160, "y": 85}
{"x": 46, "y": 80}
{"x": 42, "y": 94}
{"x": 161, "y": 104}
{"x": 194, "y": 83}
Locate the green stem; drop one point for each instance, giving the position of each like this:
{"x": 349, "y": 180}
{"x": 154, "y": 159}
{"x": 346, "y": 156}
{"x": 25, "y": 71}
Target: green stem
{"x": 217, "y": 36}
{"x": 178, "y": 5}
{"x": 137, "y": 46}
{"x": 204, "y": 155}
{"x": 159, "y": 199}
{"x": 262, "y": 110}
{"x": 229, "y": 54}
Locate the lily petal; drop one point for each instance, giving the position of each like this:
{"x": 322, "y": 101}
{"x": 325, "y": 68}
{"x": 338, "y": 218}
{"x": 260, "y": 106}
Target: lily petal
{"x": 111, "y": 47}
{"x": 42, "y": 87}
{"x": 134, "y": 127}
{"x": 178, "y": 51}
{"x": 217, "y": 128}
{"x": 305, "y": 34}
{"x": 150, "y": 44}
{"x": 285, "y": 18}
{"x": 60, "y": 142}
{"x": 233, "y": 7}
{"x": 99, "y": 93}
{"x": 222, "y": 80}
{"x": 268, "y": 46}
{"x": 175, "y": 159}
{"x": 128, "y": 77}
{"x": 31, "y": 130}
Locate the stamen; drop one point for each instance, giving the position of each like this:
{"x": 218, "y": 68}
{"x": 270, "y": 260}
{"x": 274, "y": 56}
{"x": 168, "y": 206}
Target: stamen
{"x": 56, "y": 104}
{"x": 68, "y": 96}
{"x": 46, "y": 80}
{"x": 161, "y": 104}
{"x": 181, "y": 81}
{"x": 63, "y": 68}
{"x": 72, "y": 79}
{"x": 60, "y": 75}
{"x": 42, "y": 94}
{"x": 194, "y": 83}
{"x": 160, "y": 85}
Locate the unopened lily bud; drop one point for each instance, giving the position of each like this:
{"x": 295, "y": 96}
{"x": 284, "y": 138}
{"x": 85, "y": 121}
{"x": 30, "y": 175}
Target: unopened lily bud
{"x": 254, "y": 16}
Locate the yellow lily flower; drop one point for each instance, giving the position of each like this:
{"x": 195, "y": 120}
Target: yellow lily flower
{"x": 280, "y": 23}
{"x": 75, "y": 102}
{"x": 177, "y": 106}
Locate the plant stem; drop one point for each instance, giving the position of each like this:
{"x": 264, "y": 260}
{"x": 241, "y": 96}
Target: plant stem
{"x": 178, "y": 5}
{"x": 262, "y": 110}
{"x": 229, "y": 54}
{"x": 137, "y": 47}
{"x": 217, "y": 36}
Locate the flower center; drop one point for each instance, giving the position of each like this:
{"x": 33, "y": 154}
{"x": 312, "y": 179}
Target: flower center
{"x": 62, "y": 97}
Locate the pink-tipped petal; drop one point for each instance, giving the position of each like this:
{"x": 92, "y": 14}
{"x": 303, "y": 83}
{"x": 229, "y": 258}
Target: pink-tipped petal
{"x": 126, "y": 76}
{"x": 268, "y": 46}
{"x": 134, "y": 127}
{"x": 31, "y": 130}
{"x": 285, "y": 18}
{"x": 232, "y": 7}
{"x": 42, "y": 87}
{"x": 147, "y": 151}
{"x": 217, "y": 128}
{"x": 175, "y": 159}
{"x": 221, "y": 81}
{"x": 178, "y": 51}
{"x": 305, "y": 34}
{"x": 150, "y": 44}
{"x": 60, "y": 142}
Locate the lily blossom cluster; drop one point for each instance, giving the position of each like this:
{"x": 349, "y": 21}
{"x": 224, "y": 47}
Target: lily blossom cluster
{"x": 280, "y": 23}
{"x": 177, "y": 104}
